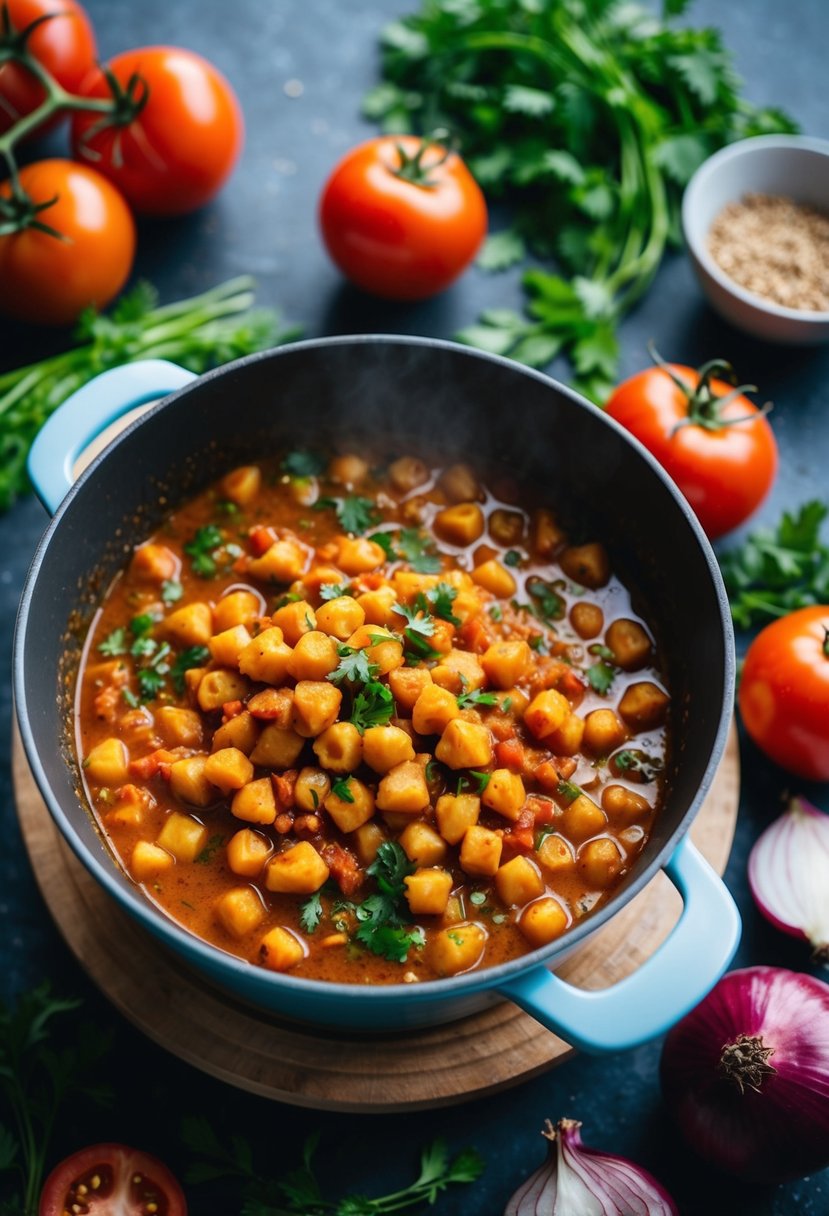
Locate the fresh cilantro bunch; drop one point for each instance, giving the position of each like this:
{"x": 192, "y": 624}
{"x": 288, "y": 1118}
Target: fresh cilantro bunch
{"x": 588, "y": 117}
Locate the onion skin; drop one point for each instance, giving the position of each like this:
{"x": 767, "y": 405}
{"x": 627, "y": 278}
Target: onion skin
{"x": 781, "y": 1130}
{"x": 788, "y": 873}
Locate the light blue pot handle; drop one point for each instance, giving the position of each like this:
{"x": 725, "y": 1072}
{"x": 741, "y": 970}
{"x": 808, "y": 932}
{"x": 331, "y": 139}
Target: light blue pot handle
{"x": 89, "y": 411}
{"x": 672, "y": 981}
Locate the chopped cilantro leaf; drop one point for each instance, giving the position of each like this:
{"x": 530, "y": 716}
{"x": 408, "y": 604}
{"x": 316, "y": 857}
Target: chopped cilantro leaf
{"x": 114, "y": 643}
{"x": 476, "y": 696}
{"x": 546, "y": 604}
{"x": 353, "y": 666}
{"x": 356, "y": 514}
{"x": 202, "y": 548}
{"x": 373, "y": 706}
{"x": 419, "y": 551}
{"x": 440, "y": 599}
{"x": 512, "y": 557}
{"x": 637, "y": 762}
{"x": 130, "y": 698}
{"x": 302, "y": 463}
{"x": 310, "y": 912}
{"x": 341, "y": 789}
{"x": 150, "y": 683}
{"x": 332, "y": 591}
{"x": 566, "y": 789}
{"x": 141, "y": 625}
{"x": 194, "y": 656}
{"x": 384, "y": 540}
{"x": 171, "y": 591}
{"x": 392, "y": 942}
{"x": 603, "y": 652}
{"x": 600, "y": 677}
{"x": 496, "y": 612}
{"x": 143, "y": 647}
{"x": 290, "y": 597}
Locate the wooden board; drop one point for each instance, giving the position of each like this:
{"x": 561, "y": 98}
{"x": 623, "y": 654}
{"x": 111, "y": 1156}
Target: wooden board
{"x": 498, "y": 1047}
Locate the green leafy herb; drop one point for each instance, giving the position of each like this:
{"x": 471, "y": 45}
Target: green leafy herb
{"x": 143, "y": 624}
{"x": 310, "y": 912}
{"x": 373, "y": 706}
{"x": 202, "y": 549}
{"x": 130, "y": 698}
{"x": 496, "y": 612}
{"x": 419, "y": 551}
{"x": 302, "y": 463}
{"x": 290, "y": 597}
{"x": 545, "y": 602}
{"x": 566, "y": 789}
{"x": 333, "y": 591}
{"x": 114, "y": 643}
{"x": 150, "y": 683}
{"x": 473, "y": 781}
{"x": 214, "y": 843}
{"x": 777, "y": 570}
{"x": 439, "y": 599}
{"x": 386, "y": 543}
{"x": 600, "y": 677}
{"x": 353, "y": 666}
{"x": 384, "y": 921}
{"x": 419, "y": 626}
{"x": 171, "y": 591}
{"x": 512, "y": 557}
{"x": 355, "y": 514}
{"x": 476, "y": 696}
{"x": 197, "y": 333}
{"x": 593, "y": 113}
{"x": 193, "y": 656}
{"x": 649, "y": 767}
{"x": 341, "y": 789}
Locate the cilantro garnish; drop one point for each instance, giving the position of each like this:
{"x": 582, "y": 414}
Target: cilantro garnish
{"x": 171, "y": 591}
{"x": 310, "y": 912}
{"x": 383, "y": 920}
{"x": 566, "y": 789}
{"x": 600, "y": 677}
{"x": 637, "y": 762}
{"x": 130, "y": 698}
{"x": 114, "y": 643}
{"x": 440, "y": 600}
{"x": 302, "y": 463}
{"x": 512, "y": 557}
{"x": 355, "y": 513}
{"x": 476, "y": 696}
{"x": 290, "y": 597}
{"x": 373, "y": 706}
{"x": 194, "y": 656}
{"x": 214, "y": 843}
{"x": 420, "y": 626}
{"x": 473, "y": 781}
{"x": 496, "y": 612}
{"x": 353, "y": 666}
{"x": 384, "y": 540}
{"x": 341, "y": 789}
{"x": 419, "y": 551}
{"x": 333, "y": 591}
{"x": 202, "y": 550}
{"x": 546, "y": 604}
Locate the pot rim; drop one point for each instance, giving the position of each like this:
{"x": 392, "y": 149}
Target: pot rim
{"x": 105, "y": 867}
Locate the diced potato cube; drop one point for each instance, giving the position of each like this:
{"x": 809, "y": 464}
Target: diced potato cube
{"x": 403, "y": 789}
{"x": 242, "y": 485}
{"x": 182, "y": 836}
{"x": 191, "y": 625}
{"x": 316, "y": 705}
{"x": 422, "y": 844}
{"x": 465, "y": 745}
{"x": 246, "y": 853}
{"x": 216, "y": 688}
{"x": 189, "y": 781}
{"x": 461, "y": 524}
{"x": 283, "y": 562}
{"x": 314, "y": 656}
{"x": 603, "y": 732}
{"x": 620, "y": 803}
{"x": 358, "y": 555}
{"x": 367, "y": 840}
{"x": 566, "y": 741}
{"x": 600, "y": 861}
{"x": 506, "y": 663}
{"x": 277, "y": 748}
{"x": 518, "y": 882}
{"x": 340, "y": 617}
{"x": 546, "y": 712}
{"x": 280, "y": 950}
{"x": 455, "y": 813}
{"x": 294, "y": 620}
{"x": 339, "y": 748}
{"x": 586, "y": 564}
{"x": 587, "y": 619}
{"x": 241, "y": 731}
{"x": 255, "y": 802}
{"x": 107, "y": 763}
{"x": 583, "y": 818}
{"x": 555, "y": 852}
{"x": 228, "y": 769}
{"x": 407, "y": 473}
{"x": 458, "y": 948}
{"x": 506, "y": 527}
{"x": 631, "y": 646}
{"x": 494, "y": 577}
{"x": 545, "y": 534}
{"x": 459, "y": 483}
{"x": 154, "y": 563}
{"x": 351, "y": 812}
{"x": 434, "y": 710}
{"x": 297, "y": 871}
{"x": 427, "y": 891}
{"x": 504, "y": 793}
{"x": 178, "y": 727}
{"x": 480, "y": 851}
{"x": 406, "y": 684}
{"x": 240, "y": 911}
{"x": 644, "y": 706}
{"x": 408, "y": 584}
{"x": 149, "y": 860}
{"x": 193, "y": 677}
{"x": 386, "y": 746}
{"x": 543, "y": 921}
{"x": 273, "y": 705}
{"x": 226, "y": 647}
{"x": 266, "y": 657}
{"x": 311, "y": 789}
{"x": 237, "y": 608}
{"x": 377, "y": 605}
{"x": 386, "y": 655}
{"x": 459, "y": 671}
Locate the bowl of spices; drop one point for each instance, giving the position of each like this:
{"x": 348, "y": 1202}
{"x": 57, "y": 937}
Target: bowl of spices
{"x": 756, "y": 221}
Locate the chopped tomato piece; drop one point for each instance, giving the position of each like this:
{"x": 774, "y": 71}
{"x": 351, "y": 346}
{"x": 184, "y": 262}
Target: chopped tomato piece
{"x": 157, "y": 763}
{"x": 474, "y": 636}
{"x": 261, "y": 539}
{"x": 231, "y": 709}
{"x": 344, "y": 867}
{"x": 283, "y": 787}
{"x": 510, "y": 754}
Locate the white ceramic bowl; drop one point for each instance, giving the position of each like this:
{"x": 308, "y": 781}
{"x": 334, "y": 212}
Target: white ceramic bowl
{"x": 792, "y": 166}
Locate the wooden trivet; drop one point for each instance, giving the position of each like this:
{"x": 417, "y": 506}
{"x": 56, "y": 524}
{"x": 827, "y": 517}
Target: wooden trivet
{"x": 491, "y": 1050}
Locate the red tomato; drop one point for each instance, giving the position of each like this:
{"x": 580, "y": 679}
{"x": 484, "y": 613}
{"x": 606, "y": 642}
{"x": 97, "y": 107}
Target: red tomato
{"x": 722, "y": 456}
{"x": 64, "y": 45}
{"x": 784, "y": 692}
{"x": 402, "y": 227}
{"x": 182, "y": 144}
{"x": 119, "y": 1181}
{"x": 49, "y": 279}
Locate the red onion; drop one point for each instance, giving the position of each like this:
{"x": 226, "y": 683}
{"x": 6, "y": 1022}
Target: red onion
{"x": 746, "y": 1074}
{"x": 788, "y": 872}
{"x": 579, "y": 1181}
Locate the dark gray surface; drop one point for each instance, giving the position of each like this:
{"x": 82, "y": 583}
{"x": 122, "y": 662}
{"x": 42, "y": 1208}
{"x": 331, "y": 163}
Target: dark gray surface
{"x": 264, "y": 224}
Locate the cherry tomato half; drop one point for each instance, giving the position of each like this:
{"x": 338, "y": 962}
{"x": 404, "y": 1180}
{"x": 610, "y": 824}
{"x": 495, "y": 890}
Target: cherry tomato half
{"x": 181, "y": 146}
{"x": 715, "y": 443}
{"x": 64, "y": 45}
{"x": 402, "y": 217}
{"x": 784, "y": 692}
{"x": 50, "y": 279}
{"x": 112, "y": 1180}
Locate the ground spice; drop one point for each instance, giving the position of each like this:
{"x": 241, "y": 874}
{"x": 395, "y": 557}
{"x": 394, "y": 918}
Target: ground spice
{"x": 775, "y": 248}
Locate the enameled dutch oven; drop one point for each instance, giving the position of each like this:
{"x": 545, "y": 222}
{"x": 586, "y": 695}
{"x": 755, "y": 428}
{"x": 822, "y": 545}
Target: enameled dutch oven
{"x": 427, "y": 395}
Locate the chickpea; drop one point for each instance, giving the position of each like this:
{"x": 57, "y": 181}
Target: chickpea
{"x": 587, "y": 619}
{"x": 407, "y": 473}
{"x": 348, "y": 470}
{"x": 506, "y": 527}
{"x": 459, "y": 483}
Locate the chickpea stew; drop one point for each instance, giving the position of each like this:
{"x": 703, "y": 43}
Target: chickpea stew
{"x": 371, "y": 723}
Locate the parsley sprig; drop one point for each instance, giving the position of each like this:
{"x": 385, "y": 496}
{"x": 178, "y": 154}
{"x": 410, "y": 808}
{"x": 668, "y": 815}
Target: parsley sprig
{"x": 600, "y": 675}
{"x": 353, "y": 666}
{"x": 383, "y": 919}
{"x": 373, "y": 706}
{"x": 420, "y": 626}
{"x": 354, "y": 513}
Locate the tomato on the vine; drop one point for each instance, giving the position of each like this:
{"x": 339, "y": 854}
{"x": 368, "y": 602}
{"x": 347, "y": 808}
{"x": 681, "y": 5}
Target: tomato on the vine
{"x": 708, "y": 436}
{"x": 784, "y": 692}
{"x": 402, "y": 216}
{"x": 76, "y": 246}
{"x": 64, "y": 45}
{"x": 176, "y": 133}
{"x": 112, "y": 1180}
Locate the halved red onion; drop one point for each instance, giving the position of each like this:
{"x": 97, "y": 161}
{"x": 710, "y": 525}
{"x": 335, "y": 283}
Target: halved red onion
{"x": 580, "y": 1181}
{"x": 788, "y": 872}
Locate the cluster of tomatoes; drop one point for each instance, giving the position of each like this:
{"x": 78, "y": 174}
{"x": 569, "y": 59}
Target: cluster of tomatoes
{"x": 154, "y": 132}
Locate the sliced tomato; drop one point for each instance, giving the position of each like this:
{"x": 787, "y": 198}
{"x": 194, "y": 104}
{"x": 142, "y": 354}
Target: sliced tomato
{"x": 112, "y": 1180}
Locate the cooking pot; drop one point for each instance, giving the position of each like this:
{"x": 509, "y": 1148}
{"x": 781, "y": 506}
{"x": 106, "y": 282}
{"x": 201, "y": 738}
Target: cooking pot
{"x": 423, "y": 394}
